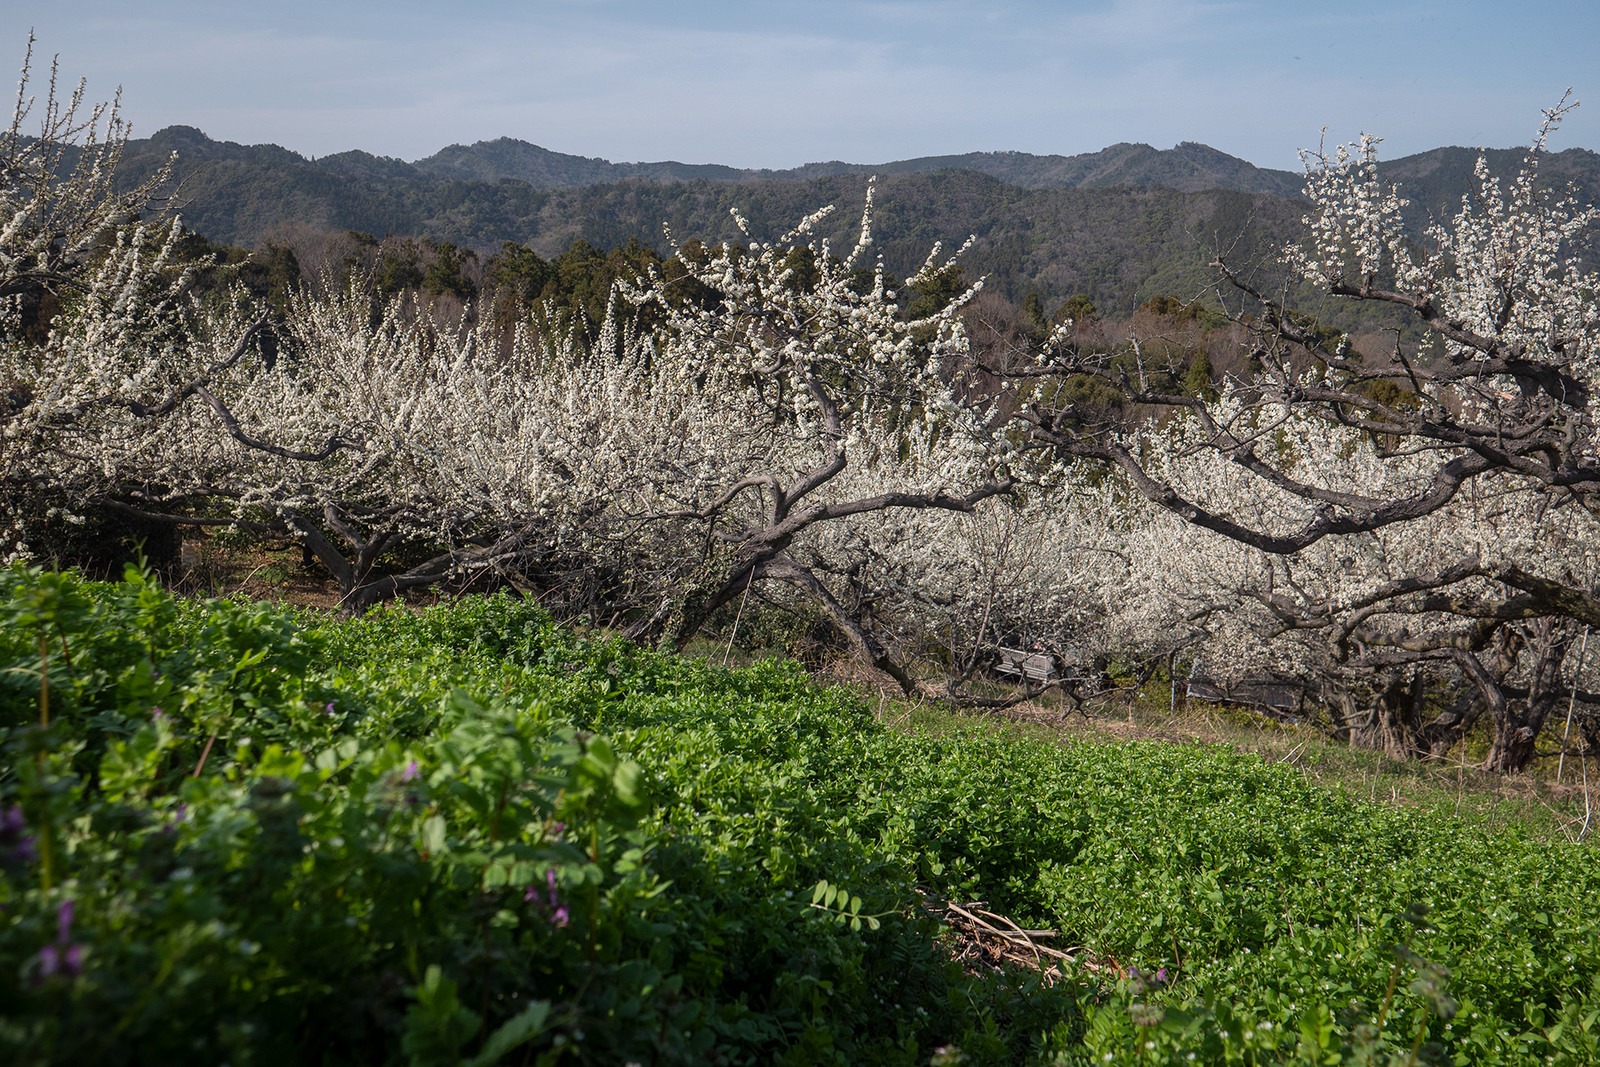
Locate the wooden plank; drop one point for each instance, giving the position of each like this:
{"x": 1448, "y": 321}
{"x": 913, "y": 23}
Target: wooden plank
{"x": 1261, "y": 693}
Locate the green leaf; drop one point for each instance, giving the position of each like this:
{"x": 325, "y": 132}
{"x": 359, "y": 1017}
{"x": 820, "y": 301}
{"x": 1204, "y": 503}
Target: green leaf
{"x": 437, "y": 1025}
{"x": 520, "y": 1028}
{"x": 433, "y": 835}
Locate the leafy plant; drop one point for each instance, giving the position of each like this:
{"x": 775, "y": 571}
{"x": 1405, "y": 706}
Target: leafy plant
{"x": 465, "y": 833}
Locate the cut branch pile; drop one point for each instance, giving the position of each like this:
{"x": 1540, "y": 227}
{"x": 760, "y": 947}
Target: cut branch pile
{"x": 984, "y": 942}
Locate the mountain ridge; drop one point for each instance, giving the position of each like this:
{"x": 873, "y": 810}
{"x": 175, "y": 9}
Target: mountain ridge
{"x": 1187, "y": 167}
{"x": 1118, "y": 225}
{"x": 229, "y": 182}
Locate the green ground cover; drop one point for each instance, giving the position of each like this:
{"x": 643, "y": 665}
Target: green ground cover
{"x": 230, "y": 833}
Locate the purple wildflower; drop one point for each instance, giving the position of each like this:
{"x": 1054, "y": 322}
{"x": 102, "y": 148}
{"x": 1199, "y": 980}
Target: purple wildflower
{"x": 16, "y": 844}
{"x": 328, "y": 708}
{"x": 61, "y": 956}
{"x": 157, "y": 715}
{"x": 559, "y": 916}
{"x": 411, "y": 773}
{"x": 1161, "y": 976}
{"x": 12, "y": 822}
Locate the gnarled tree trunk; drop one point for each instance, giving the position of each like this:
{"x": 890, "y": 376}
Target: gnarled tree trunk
{"x": 1519, "y": 718}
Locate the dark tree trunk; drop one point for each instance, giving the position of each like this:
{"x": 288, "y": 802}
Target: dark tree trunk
{"x": 359, "y": 589}
{"x": 1438, "y": 736}
{"x": 695, "y": 597}
{"x": 1519, "y": 721}
{"x": 1390, "y": 725}
{"x": 720, "y": 581}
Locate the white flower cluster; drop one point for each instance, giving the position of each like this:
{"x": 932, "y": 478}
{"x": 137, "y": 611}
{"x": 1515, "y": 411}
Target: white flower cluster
{"x": 1355, "y": 221}
{"x": 59, "y": 203}
{"x": 1503, "y": 277}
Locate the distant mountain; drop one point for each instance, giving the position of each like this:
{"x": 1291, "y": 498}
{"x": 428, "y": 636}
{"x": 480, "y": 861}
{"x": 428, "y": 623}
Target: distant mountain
{"x": 1111, "y": 239}
{"x": 1438, "y": 177}
{"x": 1187, "y": 168}
{"x": 1436, "y": 180}
{"x": 1121, "y": 225}
{"x": 513, "y": 160}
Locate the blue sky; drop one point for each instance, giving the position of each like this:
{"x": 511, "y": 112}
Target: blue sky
{"x": 783, "y": 83}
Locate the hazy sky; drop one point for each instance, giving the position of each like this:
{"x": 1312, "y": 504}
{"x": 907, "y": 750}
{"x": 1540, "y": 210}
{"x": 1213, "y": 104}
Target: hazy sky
{"x": 779, "y": 84}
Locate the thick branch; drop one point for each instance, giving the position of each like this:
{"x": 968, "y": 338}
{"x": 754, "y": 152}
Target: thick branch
{"x": 787, "y": 570}
{"x": 231, "y": 423}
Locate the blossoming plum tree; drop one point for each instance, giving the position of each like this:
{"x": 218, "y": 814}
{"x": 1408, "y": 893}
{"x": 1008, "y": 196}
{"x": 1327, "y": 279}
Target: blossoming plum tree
{"x": 69, "y": 238}
{"x": 690, "y": 458}
{"x": 58, "y": 199}
{"x": 807, "y": 398}
{"x": 1322, "y": 454}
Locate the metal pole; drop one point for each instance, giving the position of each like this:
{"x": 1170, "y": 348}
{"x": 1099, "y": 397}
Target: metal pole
{"x": 1572, "y": 698}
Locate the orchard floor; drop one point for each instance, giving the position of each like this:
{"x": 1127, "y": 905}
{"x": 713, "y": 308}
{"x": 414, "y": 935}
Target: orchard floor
{"x": 1533, "y": 800}
{"x": 1274, "y": 873}
{"x": 1552, "y": 799}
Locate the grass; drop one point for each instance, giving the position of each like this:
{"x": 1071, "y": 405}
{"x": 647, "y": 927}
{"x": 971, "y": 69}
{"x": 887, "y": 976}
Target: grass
{"x": 1532, "y": 802}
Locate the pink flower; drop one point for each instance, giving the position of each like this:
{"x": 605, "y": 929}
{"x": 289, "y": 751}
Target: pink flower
{"x": 559, "y": 916}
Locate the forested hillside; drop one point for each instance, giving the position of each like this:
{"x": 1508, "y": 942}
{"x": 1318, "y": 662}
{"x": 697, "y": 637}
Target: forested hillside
{"x": 1121, "y": 225}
